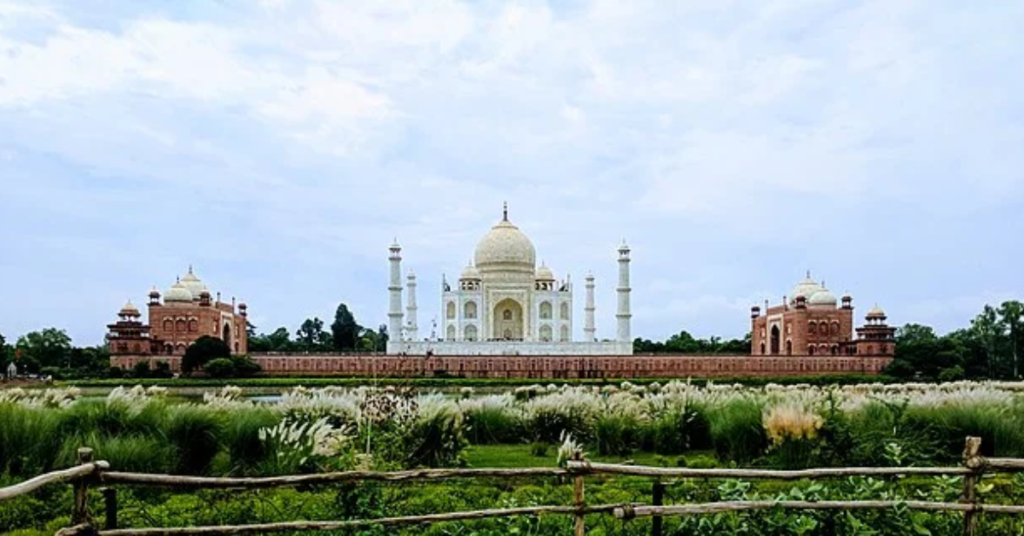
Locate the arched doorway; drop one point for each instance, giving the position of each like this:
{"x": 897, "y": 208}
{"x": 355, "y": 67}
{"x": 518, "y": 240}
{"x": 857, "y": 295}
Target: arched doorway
{"x": 227, "y": 334}
{"x": 775, "y": 340}
{"x": 508, "y": 320}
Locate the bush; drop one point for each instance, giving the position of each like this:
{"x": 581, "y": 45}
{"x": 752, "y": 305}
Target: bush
{"x": 539, "y": 449}
{"x": 141, "y": 369}
{"x": 245, "y": 366}
{"x": 951, "y": 374}
{"x": 115, "y": 372}
{"x": 204, "y": 350}
{"x": 221, "y": 367}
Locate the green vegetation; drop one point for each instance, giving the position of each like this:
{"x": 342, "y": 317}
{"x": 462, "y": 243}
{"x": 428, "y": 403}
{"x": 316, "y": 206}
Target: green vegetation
{"x": 676, "y": 424}
{"x": 989, "y": 348}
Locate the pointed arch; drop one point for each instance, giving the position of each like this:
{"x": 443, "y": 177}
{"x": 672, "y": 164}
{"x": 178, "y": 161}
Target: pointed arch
{"x": 545, "y": 310}
{"x": 469, "y": 310}
{"x": 450, "y": 333}
{"x": 564, "y": 311}
{"x": 470, "y": 333}
{"x": 545, "y": 333}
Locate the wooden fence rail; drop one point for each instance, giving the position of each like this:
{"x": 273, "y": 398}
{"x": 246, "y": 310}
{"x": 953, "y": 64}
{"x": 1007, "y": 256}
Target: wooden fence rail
{"x": 89, "y": 473}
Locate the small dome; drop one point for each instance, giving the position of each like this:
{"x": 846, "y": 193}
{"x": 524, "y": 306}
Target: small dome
{"x": 806, "y": 288}
{"x": 129, "y": 309}
{"x": 470, "y": 273}
{"x": 544, "y": 273}
{"x": 177, "y": 293}
{"x": 822, "y": 297}
{"x": 876, "y": 312}
{"x": 154, "y": 294}
{"x": 505, "y": 246}
{"x": 193, "y": 284}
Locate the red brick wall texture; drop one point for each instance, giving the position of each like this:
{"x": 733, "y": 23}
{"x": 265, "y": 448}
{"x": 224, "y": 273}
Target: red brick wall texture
{"x": 549, "y": 367}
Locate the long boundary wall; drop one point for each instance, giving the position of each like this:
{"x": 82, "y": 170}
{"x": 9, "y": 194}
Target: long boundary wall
{"x": 553, "y": 367}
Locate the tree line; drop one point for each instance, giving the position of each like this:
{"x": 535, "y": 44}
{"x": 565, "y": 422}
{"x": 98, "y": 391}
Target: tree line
{"x": 684, "y": 343}
{"x": 343, "y": 335}
{"x": 988, "y": 348}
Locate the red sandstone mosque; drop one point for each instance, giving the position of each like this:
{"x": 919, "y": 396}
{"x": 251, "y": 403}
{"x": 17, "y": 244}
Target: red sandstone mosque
{"x": 186, "y": 312}
{"x": 810, "y": 323}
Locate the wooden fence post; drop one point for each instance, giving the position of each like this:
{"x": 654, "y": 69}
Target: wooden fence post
{"x": 577, "y": 493}
{"x": 975, "y": 463}
{"x": 110, "y": 507}
{"x": 81, "y": 513}
{"x": 657, "y": 499}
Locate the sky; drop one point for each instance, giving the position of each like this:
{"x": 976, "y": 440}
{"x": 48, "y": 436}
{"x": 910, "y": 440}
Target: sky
{"x": 279, "y": 146}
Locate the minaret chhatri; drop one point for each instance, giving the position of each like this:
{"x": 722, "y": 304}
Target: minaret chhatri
{"x": 589, "y": 331}
{"x": 395, "y": 291}
{"x": 412, "y": 331}
{"x": 623, "y": 316}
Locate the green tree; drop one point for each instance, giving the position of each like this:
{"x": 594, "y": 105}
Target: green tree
{"x": 1011, "y": 313}
{"x": 992, "y": 334}
{"x": 50, "y": 347}
{"x": 345, "y": 331}
{"x": 311, "y": 335}
{"x": 204, "y": 350}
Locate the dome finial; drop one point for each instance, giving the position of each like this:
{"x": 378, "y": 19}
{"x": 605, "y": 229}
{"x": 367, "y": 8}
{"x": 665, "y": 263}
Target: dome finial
{"x": 808, "y": 273}
{"x": 504, "y": 211}
{"x": 190, "y": 268}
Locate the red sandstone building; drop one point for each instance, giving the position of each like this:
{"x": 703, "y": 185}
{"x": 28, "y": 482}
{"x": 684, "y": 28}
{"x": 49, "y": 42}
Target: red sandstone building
{"x": 810, "y": 323}
{"x": 186, "y": 313}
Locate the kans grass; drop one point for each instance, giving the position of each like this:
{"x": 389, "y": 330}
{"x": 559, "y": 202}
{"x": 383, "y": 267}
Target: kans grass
{"x": 673, "y": 424}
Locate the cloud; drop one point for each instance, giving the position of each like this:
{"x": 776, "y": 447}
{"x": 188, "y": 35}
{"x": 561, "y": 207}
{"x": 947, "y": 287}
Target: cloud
{"x": 282, "y": 144}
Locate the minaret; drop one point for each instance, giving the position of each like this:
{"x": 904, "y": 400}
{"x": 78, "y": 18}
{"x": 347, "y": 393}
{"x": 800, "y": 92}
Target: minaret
{"x": 623, "y": 315}
{"x": 589, "y": 332}
{"x": 410, "y": 309}
{"x": 395, "y": 290}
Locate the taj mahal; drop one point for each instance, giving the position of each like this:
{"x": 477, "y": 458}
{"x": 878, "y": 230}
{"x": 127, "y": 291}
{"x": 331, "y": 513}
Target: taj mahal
{"x": 504, "y": 304}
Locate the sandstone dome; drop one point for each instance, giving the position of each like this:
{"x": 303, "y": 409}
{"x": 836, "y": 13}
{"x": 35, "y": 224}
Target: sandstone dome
{"x": 129, "y": 309}
{"x": 505, "y": 247}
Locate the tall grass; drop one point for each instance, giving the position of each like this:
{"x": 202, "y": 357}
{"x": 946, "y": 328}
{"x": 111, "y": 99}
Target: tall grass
{"x": 29, "y": 438}
{"x": 736, "y": 429}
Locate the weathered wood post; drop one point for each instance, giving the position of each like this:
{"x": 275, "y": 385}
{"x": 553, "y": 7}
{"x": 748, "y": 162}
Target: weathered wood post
{"x": 657, "y": 499}
{"x": 577, "y": 493}
{"x": 973, "y": 461}
{"x": 110, "y": 507}
{"x": 81, "y": 513}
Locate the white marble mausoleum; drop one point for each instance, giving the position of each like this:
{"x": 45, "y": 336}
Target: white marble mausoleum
{"x": 503, "y": 304}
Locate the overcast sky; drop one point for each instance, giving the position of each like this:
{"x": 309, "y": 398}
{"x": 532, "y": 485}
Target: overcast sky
{"x": 279, "y": 146}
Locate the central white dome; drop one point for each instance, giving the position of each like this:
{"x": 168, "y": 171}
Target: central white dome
{"x": 505, "y": 246}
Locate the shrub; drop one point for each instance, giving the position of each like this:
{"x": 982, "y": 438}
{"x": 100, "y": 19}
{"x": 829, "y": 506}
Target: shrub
{"x": 539, "y": 449}
{"x": 221, "y": 367}
{"x": 141, "y": 369}
{"x": 202, "y": 351}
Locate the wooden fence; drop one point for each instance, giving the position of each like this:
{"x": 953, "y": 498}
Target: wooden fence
{"x": 89, "y": 474}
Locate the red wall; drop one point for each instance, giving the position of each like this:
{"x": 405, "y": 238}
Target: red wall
{"x": 541, "y": 367}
